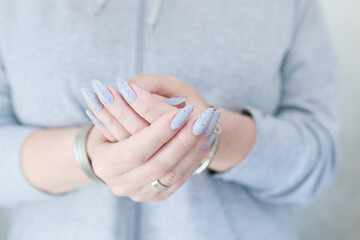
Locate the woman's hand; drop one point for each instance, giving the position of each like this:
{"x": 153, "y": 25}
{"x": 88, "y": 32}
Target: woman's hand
{"x": 169, "y": 86}
{"x": 152, "y": 140}
{"x": 238, "y": 130}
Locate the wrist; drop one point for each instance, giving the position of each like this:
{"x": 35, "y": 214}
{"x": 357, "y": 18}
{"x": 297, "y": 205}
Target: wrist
{"x": 81, "y": 152}
{"x": 238, "y": 138}
{"x": 91, "y": 141}
{"x": 48, "y": 161}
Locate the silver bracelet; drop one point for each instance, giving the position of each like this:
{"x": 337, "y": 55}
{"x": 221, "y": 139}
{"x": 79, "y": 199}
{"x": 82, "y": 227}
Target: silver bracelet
{"x": 81, "y": 155}
{"x": 213, "y": 150}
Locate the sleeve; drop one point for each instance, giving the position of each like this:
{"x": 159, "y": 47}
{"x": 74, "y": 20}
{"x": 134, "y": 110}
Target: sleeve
{"x": 295, "y": 152}
{"x": 14, "y": 188}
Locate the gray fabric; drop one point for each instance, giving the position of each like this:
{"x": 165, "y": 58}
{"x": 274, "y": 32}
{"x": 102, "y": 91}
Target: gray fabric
{"x": 269, "y": 58}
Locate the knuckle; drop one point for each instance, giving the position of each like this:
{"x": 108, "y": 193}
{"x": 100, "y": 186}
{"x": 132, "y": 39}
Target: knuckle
{"x": 184, "y": 145}
{"x": 110, "y": 122}
{"x": 199, "y": 145}
{"x": 158, "y": 169}
{"x": 148, "y": 112}
{"x": 173, "y": 177}
{"x": 131, "y": 158}
{"x": 160, "y": 138}
{"x": 121, "y": 116}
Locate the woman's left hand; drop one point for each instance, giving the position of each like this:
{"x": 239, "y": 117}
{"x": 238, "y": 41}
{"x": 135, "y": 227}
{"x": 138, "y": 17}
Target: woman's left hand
{"x": 169, "y": 86}
{"x": 238, "y": 130}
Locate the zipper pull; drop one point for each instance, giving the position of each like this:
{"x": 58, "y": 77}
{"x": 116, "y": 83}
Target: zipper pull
{"x": 153, "y": 15}
{"x": 100, "y": 6}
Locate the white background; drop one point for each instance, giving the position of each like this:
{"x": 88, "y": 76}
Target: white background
{"x": 337, "y": 213}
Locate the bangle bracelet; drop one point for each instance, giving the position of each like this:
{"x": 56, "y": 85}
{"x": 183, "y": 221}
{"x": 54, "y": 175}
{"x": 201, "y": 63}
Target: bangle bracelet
{"x": 81, "y": 155}
{"x": 213, "y": 150}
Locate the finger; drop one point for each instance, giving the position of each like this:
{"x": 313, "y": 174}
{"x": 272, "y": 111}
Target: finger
{"x": 103, "y": 115}
{"x": 178, "y": 175}
{"x": 100, "y": 126}
{"x": 189, "y": 164}
{"x": 142, "y": 102}
{"x": 157, "y": 84}
{"x": 138, "y": 148}
{"x": 160, "y": 132}
{"x": 178, "y": 102}
{"x": 185, "y": 168}
{"x": 213, "y": 122}
{"x": 169, "y": 87}
{"x": 142, "y": 188}
{"x": 174, "y": 151}
{"x": 126, "y": 116}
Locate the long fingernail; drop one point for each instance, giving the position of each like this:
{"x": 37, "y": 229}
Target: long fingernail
{"x": 125, "y": 90}
{"x": 103, "y": 93}
{"x": 91, "y": 98}
{"x": 203, "y": 121}
{"x": 181, "y": 117}
{"x": 175, "y": 101}
{"x": 211, "y": 139}
{"x": 213, "y": 122}
{"x": 93, "y": 118}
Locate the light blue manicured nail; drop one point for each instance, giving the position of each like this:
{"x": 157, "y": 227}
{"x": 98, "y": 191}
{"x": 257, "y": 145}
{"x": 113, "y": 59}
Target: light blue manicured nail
{"x": 92, "y": 99}
{"x": 211, "y": 139}
{"x": 125, "y": 90}
{"x": 175, "y": 101}
{"x": 203, "y": 121}
{"x": 181, "y": 117}
{"x": 93, "y": 118}
{"x": 213, "y": 122}
{"x": 103, "y": 93}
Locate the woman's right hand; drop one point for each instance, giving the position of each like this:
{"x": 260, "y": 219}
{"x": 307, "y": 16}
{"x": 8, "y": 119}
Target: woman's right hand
{"x": 144, "y": 152}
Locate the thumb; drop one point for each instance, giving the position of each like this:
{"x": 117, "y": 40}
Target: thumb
{"x": 163, "y": 85}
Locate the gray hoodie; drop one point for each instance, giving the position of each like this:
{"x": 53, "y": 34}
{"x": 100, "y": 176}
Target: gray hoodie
{"x": 271, "y": 58}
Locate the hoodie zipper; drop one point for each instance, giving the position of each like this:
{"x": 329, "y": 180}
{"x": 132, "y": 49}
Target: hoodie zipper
{"x": 140, "y": 38}
{"x": 153, "y": 15}
{"x": 139, "y": 68}
{"x": 139, "y": 62}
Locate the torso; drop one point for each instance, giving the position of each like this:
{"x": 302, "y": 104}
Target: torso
{"x": 227, "y": 49}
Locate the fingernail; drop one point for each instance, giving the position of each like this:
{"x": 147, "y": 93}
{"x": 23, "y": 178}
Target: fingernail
{"x": 91, "y": 98}
{"x": 203, "y": 121}
{"x": 103, "y": 93}
{"x": 125, "y": 90}
{"x": 181, "y": 117}
{"x": 211, "y": 139}
{"x": 175, "y": 101}
{"x": 213, "y": 122}
{"x": 93, "y": 118}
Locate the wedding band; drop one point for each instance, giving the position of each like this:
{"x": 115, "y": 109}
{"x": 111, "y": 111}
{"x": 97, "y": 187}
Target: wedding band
{"x": 159, "y": 186}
